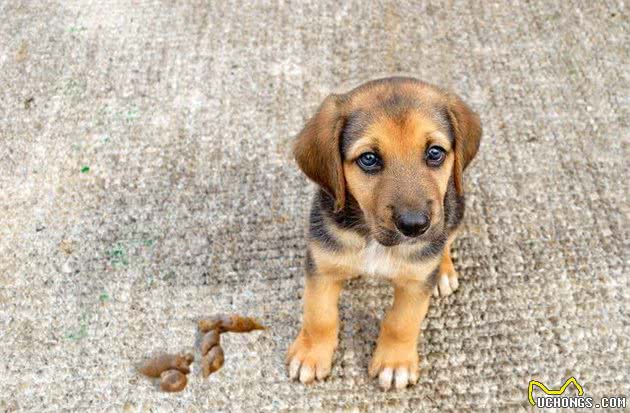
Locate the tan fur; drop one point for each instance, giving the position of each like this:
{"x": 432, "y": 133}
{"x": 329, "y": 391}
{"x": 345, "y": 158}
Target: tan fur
{"x": 446, "y": 264}
{"x": 397, "y": 343}
{"x": 402, "y": 143}
{"x": 317, "y": 340}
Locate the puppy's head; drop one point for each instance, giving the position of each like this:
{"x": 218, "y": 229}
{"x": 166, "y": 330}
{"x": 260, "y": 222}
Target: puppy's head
{"x": 393, "y": 145}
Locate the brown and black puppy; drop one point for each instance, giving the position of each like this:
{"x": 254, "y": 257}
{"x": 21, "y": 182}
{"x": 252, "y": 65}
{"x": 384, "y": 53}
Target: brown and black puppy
{"x": 388, "y": 157}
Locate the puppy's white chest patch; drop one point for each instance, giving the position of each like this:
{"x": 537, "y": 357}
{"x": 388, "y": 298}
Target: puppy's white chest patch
{"x": 377, "y": 260}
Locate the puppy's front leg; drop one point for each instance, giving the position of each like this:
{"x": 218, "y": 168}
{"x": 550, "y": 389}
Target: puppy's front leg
{"x": 310, "y": 355}
{"x": 396, "y": 355}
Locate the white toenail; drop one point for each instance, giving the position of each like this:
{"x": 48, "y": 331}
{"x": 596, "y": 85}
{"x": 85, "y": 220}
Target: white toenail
{"x": 401, "y": 378}
{"x": 306, "y": 374}
{"x": 385, "y": 378}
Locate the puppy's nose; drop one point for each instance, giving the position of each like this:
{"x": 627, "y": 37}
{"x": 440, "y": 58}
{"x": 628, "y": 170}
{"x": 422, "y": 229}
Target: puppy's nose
{"x": 413, "y": 224}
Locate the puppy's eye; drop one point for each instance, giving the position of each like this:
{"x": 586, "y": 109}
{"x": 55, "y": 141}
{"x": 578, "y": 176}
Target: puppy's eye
{"x": 435, "y": 156}
{"x": 369, "y": 162}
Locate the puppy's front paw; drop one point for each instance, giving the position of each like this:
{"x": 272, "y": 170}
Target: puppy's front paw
{"x": 310, "y": 358}
{"x": 395, "y": 363}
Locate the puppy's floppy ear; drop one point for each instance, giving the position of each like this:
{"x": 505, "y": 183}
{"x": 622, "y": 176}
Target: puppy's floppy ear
{"x": 466, "y": 127}
{"x": 317, "y": 149}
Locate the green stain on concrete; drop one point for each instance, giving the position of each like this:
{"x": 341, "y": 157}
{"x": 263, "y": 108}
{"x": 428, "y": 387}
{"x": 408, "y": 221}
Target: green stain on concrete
{"x": 81, "y": 332}
{"x": 117, "y": 255}
{"x": 132, "y": 115}
{"x": 120, "y": 252}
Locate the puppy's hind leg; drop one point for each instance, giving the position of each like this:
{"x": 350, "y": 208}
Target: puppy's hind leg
{"x": 447, "y": 281}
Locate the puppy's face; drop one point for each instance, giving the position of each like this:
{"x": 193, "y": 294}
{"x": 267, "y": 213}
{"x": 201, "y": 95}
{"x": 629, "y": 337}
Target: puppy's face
{"x": 397, "y": 166}
{"x": 393, "y": 145}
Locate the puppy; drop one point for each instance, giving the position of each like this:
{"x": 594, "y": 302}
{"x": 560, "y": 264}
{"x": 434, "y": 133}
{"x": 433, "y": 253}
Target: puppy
{"x": 388, "y": 158}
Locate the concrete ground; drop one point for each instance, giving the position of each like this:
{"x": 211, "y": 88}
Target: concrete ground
{"x": 145, "y": 182}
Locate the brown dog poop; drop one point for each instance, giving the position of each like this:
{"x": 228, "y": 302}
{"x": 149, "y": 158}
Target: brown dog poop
{"x": 212, "y": 353}
{"x": 172, "y": 369}
{"x": 210, "y": 339}
{"x": 173, "y": 381}
{"x": 212, "y": 361}
{"x": 230, "y": 323}
{"x": 155, "y": 366}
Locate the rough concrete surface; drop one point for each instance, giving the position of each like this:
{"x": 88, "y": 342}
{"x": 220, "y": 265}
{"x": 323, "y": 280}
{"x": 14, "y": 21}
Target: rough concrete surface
{"x": 145, "y": 181}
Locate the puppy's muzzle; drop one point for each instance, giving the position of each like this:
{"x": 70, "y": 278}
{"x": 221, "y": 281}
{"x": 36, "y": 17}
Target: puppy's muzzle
{"x": 412, "y": 223}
